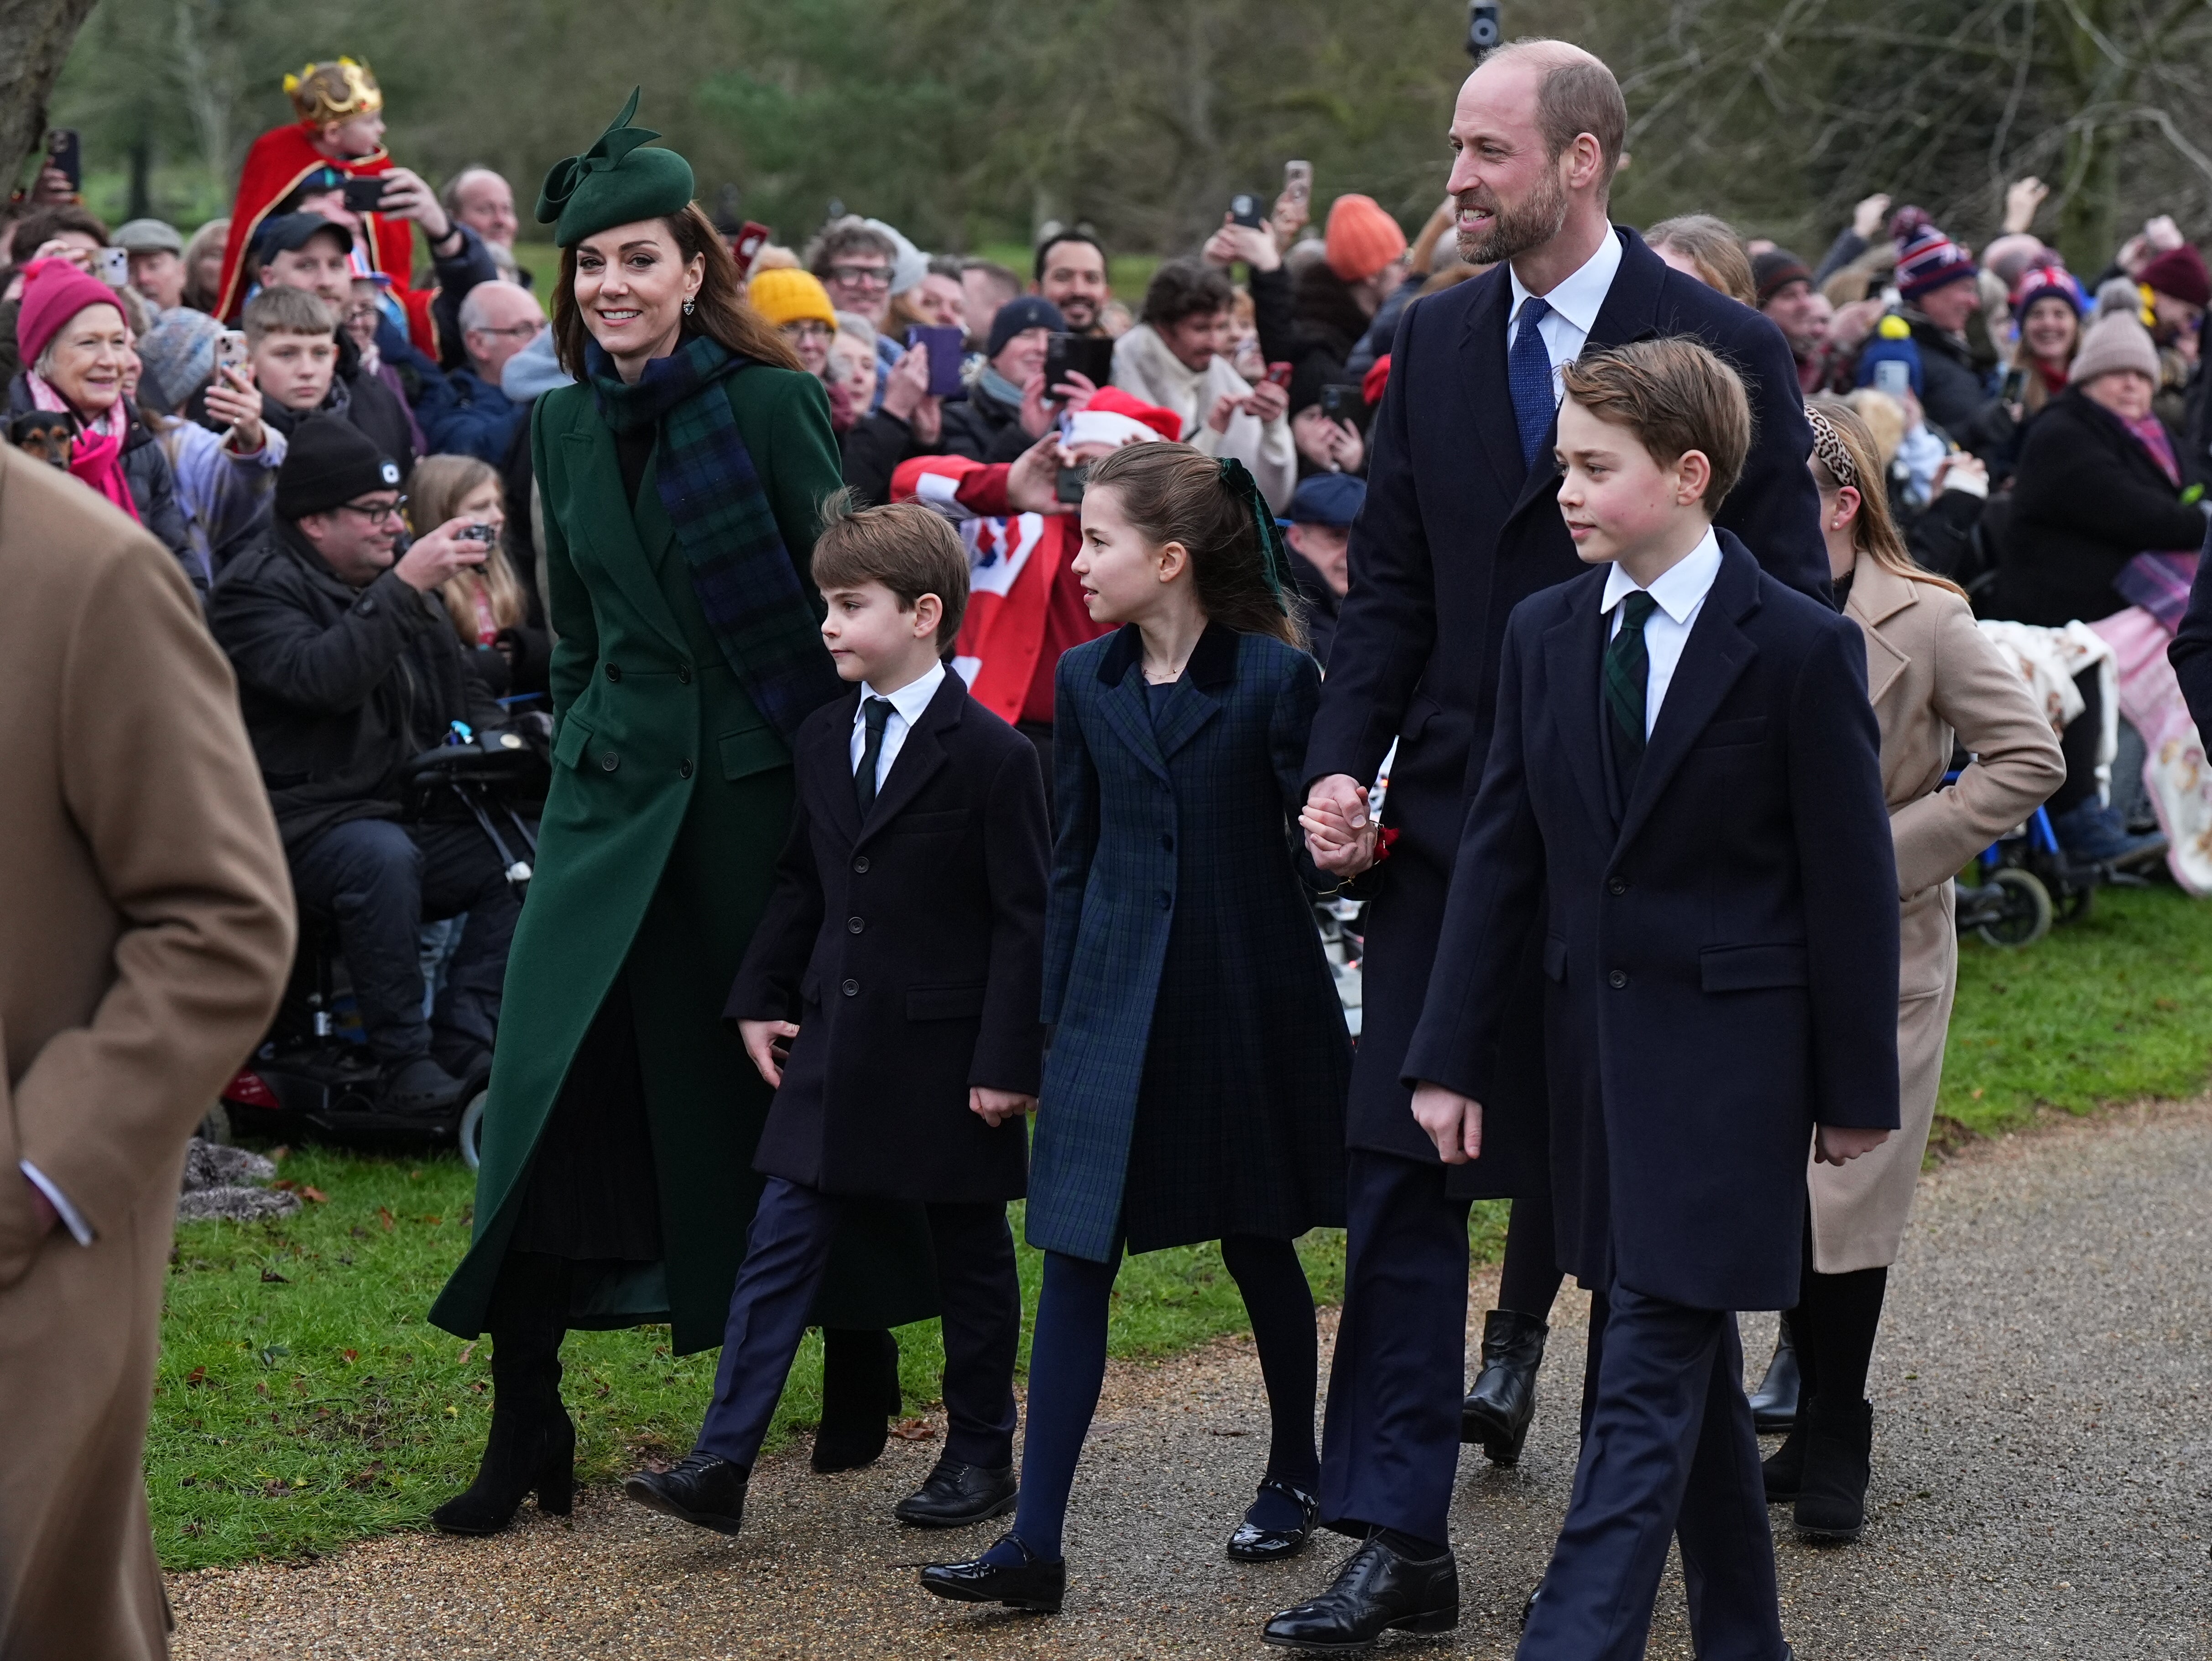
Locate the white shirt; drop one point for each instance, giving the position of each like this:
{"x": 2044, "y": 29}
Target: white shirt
{"x": 907, "y": 705}
{"x": 1575, "y": 302}
{"x": 1680, "y": 595}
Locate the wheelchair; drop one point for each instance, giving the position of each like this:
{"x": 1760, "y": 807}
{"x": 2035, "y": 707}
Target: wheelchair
{"x": 2026, "y": 883}
{"x": 313, "y": 1073}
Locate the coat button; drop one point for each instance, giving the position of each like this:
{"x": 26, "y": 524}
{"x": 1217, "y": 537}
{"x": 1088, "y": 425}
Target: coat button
{"x": 1166, "y": 899}
{"x": 1618, "y": 979}
{"x": 861, "y": 864}
{"x": 1167, "y": 842}
{"x": 609, "y": 761}
{"x": 367, "y": 608}
{"x": 614, "y": 671}
{"x": 851, "y": 989}
{"x": 683, "y": 674}
{"x": 854, "y": 925}
{"x": 684, "y": 769}
{"x": 1616, "y": 884}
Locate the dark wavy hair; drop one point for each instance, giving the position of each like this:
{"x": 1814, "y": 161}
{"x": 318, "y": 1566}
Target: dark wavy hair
{"x": 721, "y": 309}
{"x": 1172, "y": 493}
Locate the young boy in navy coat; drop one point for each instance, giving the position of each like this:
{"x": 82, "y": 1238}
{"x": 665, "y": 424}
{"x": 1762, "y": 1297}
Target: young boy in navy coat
{"x": 891, "y": 994}
{"x": 1683, "y": 793}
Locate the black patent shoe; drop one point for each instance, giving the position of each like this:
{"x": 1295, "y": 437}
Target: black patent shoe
{"x": 1375, "y": 1591}
{"x": 957, "y": 1495}
{"x": 1037, "y": 1587}
{"x": 1774, "y": 1404}
{"x": 860, "y": 1393}
{"x": 528, "y": 1449}
{"x": 1500, "y": 1409}
{"x": 702, "y": 1488}
{"x": 1253, "y": 1544}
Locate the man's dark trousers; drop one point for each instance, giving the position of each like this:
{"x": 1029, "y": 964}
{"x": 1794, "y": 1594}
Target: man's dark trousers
{"x": 381, "y": 880}
{"x": 1390, "y": 1441}
{"x": 1668, "y": 1453}
{"x": 786, "y": 1251}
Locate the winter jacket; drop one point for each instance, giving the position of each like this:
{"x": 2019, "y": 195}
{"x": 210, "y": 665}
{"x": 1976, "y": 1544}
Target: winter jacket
{"x": 981, "y": 428}
{"x": 462, "y": 414}
{"x": 1953, "y": 387}
{"x": 340, "y": 686}
{"x": 146, "y": 471}
{"x": 1144, "y": 366}
{"x": 225, "y": 497}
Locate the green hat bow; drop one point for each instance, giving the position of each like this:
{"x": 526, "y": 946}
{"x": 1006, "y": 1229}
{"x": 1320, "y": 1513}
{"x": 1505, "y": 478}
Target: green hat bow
{"x": 615, "y": 182}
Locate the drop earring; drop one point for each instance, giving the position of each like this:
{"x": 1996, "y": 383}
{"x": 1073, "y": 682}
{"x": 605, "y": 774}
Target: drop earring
{"x": 688, "y": 306}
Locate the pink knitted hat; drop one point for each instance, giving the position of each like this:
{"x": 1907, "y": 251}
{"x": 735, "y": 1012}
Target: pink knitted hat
{"x": 54, "y": 291}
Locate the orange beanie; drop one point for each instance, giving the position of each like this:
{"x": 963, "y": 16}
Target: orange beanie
{"x": 1362, "y": 238}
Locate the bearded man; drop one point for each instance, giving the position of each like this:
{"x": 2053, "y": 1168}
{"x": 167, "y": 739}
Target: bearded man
{"x": 1461, "y": 524}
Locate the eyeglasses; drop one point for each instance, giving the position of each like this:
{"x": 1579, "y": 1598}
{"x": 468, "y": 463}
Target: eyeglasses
{"x": 870, "y": 276}
{"x": 377, "y": 514}
{"x": 807, "y": 328}
{"x": 520, "y": 331}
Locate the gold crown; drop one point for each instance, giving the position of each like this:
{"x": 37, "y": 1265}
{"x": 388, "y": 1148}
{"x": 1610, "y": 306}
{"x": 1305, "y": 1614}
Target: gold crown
{"x": 334, "y": 92}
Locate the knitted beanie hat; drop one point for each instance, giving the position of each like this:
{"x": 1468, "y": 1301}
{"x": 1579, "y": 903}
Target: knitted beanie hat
{"x": 1926, "y": 258}
{"x": 54, "y": 291}
{"x": 787, "y": 294}
{"x": 2046, "y": 282}
{"x": 2179, "y": 272}
{"x": 1362, "y": 239}
{"x": 1776, "y": 270}
{"x": 330, "y": 461}
{"x": 2111, "y": 344}
{"x": 179, "y": 353}
{"x": 1028, "y": 312}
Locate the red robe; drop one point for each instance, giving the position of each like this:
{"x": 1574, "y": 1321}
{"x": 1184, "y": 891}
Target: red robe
{"x": 280, "y": 159}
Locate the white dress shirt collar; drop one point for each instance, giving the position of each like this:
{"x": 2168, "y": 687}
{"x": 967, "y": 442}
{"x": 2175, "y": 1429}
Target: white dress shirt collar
{"x": 1679, "y": 588}
{"x": 1577, "y": 298}
{"x": 909, "y": 701}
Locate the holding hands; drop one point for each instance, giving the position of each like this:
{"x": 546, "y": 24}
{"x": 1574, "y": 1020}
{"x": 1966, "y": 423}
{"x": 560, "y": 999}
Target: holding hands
{"x": 1340, "y": 833}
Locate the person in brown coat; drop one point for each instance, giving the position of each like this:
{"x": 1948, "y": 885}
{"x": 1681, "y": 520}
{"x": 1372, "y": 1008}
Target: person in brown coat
{"x": 148, "y": 930}
{"x": 1932, "y": 676}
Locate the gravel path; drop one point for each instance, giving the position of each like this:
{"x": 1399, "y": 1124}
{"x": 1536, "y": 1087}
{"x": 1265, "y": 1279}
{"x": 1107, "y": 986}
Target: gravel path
{"x": 2043, "y": 1485}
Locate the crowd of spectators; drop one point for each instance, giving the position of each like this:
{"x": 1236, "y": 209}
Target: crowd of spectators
{"x": 2043, "y": 432}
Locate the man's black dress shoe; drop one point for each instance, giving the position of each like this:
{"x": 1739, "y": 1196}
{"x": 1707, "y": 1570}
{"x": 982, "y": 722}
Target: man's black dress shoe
{"x": 957, "y": 1495}
{"x": 1774, "y": 1404}
{"x": 702, "y": 1488}
{"x": 1031, "y": 1584}
{"x": 1375, "y": 1591}
{"x": 1499, "y": 1411}
{"x": 1253, "y": 1544}
{"x": 859, "y": 1395}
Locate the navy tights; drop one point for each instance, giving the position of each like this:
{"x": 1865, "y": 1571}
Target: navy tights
{"x": 1067, "y": 1365}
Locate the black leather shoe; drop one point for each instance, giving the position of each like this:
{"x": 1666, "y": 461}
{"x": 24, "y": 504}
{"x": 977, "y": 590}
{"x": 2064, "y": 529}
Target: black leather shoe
{"x": 1838, "y": 1464}
{"x": 860, "y": 1392}
{"x": 1784, "y": 1470}
{"x": 1774, "y": 1404}
{"x": 702, "y": 1488}
{"x": 957, "y": 1495}
{"x": 417, "y": 1085}
{"x": 1497, "y": 1411}
{"x": 1253, "y": 1544}
{"x": 1037, "y": 1587}
{"x": 1375, "y": 1591}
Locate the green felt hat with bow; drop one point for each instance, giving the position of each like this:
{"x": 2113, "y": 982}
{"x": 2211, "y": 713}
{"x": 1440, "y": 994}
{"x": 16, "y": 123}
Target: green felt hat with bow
{"x": 615, "y": 182}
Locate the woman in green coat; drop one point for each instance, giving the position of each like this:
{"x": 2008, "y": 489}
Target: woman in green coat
{"x": 682, "y": 479}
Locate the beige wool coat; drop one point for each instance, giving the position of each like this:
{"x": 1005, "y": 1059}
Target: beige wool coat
{"x": 146, "y": 928}
{"x": 1931, "y": 673}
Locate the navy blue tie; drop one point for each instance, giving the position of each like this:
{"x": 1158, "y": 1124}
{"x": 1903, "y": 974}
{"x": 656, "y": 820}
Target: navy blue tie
{"x": 1528, "y": 376}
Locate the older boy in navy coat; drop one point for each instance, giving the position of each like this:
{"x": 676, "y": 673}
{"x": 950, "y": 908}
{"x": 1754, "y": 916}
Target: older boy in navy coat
{"x": 905, "y": 936}
{"x": 1684, "y": 787}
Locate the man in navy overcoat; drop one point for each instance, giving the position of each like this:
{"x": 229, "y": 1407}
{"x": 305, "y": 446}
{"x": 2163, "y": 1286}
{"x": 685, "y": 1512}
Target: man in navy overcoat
{"x": 1459, "y": 527}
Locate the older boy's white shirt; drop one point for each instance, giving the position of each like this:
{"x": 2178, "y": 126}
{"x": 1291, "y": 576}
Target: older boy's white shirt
{"x": 1680, "y": 595}
{"x": 907, "y": 705}
{"x": 1575, "y": 303}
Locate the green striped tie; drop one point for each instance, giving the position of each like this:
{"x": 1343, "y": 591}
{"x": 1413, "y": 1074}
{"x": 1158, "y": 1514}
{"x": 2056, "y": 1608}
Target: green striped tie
{"x": 1627, "y": 668}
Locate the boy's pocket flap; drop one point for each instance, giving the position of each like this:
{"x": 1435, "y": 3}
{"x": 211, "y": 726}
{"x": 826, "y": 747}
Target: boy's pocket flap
{"x": 756, "y": 750}
{"x": 1555, "y": 957}
{"x": 943, "y": 1003}
{"x": 1750, "y": 729}
{"x": 1750, "y": 968}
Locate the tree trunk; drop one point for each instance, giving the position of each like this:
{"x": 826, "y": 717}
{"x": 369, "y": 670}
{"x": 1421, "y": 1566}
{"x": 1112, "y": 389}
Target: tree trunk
{"x": 35, "y": 36}
{"x": 2087, "y": 230}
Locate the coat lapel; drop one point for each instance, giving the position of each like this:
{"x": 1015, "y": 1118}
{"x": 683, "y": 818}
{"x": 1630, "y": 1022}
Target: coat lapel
{"x": 1195, "y": 699}
{"x": 1876, "y": 597}
{"x": 612, "y": 531}
{"x": 1571, "y": 670}
{"x": 921, "y": 754}
{"x": 1713, "y": 658}
{"x": 1483, "y": 384}
{"x": 1121, "y": 701}
{"x": 836, "y": 800}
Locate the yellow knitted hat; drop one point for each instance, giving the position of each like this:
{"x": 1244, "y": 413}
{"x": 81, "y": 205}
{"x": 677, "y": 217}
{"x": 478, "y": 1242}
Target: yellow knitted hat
{"x": 786, "y": 294}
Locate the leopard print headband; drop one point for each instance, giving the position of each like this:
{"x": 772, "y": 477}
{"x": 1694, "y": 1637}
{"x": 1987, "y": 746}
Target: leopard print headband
{"x": 1829, "y": 448}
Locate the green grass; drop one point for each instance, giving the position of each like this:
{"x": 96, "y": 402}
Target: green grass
{"x": 303, "y": 1401}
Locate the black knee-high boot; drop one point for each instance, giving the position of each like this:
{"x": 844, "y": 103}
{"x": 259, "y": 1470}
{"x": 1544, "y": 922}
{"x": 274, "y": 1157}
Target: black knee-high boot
{"x": 859, "y": 1395}
{"x": 533, "y": 1444}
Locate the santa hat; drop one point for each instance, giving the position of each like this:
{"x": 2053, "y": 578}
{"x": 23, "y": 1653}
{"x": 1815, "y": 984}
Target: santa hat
{"x": 54, "y": 291}
{"x": 1113, "y": 416}
{"x": 1926, "y": 258}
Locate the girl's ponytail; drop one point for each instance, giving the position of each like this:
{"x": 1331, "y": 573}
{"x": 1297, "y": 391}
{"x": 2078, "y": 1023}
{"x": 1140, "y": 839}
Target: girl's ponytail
{"x": 1240, "y": 570}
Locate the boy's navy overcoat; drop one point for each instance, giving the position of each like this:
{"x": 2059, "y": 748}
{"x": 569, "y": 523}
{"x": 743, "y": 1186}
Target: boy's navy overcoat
{"x": 909, "y": 948}
{"x": 1719, "y": 961}
{"x": 1195, "y": 1083}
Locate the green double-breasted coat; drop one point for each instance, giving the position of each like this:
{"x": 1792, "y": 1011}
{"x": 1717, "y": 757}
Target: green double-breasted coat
{"x": 671, "y": 798}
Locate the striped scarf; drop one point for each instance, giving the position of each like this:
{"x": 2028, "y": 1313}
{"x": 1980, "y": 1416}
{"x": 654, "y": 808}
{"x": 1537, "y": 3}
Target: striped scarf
{"x": 744, "y": 576}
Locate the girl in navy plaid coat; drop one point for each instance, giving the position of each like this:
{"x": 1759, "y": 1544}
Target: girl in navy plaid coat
{"x": 1195, "y": 1085}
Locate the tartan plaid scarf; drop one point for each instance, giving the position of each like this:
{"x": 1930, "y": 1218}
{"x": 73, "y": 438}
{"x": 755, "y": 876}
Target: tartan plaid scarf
{"x": 743, "y": 574}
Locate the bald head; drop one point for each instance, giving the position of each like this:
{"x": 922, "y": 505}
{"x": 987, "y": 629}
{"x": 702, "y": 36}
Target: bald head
{"x": 498, "y": 319}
